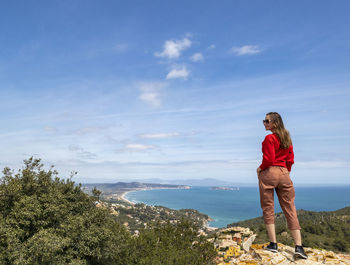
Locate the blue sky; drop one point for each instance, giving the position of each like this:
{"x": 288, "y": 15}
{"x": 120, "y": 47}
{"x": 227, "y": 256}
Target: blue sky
{"x": 174, "y": 90}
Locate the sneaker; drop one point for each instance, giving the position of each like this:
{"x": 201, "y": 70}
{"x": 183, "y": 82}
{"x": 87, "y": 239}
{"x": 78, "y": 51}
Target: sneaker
{"x": 272, "y": 247}
{"x": 299, "y": 252}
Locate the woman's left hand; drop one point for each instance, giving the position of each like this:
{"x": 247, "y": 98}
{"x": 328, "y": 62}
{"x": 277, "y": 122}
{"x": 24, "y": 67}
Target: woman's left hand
{"x": 258, "y": 170}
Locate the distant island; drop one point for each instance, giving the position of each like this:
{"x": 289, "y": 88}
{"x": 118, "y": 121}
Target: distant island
{"x": 224, "y": 188}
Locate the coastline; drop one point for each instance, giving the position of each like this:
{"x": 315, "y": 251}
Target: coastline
{"x": 122, "y": 197}
{"x": 207, "y": 225}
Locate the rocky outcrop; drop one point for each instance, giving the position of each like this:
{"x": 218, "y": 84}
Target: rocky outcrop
{"x": 232, "y": 250}
{"x": 285, "y": 256}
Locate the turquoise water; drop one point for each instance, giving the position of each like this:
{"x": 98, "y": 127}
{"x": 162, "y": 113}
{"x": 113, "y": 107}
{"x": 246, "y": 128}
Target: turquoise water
{"x": 228, "y": 206}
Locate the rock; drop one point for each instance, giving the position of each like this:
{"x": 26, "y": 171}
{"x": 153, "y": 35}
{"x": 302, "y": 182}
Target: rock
{"x": 255, "y": 254}
{"x": 248, "y": 242}
{"x": 278, "y": 259}
{"x": 285, "y": 256}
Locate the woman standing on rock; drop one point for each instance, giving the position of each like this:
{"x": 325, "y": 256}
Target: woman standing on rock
{"x": 273, "y": 174}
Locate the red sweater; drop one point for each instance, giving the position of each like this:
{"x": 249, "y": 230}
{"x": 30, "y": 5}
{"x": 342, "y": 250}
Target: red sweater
{"x": 273, "y": 155}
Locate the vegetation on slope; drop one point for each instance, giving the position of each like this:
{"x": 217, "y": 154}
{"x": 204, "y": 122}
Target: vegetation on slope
{"x": 47, "y": 220}
{"x": 140, "y": 215}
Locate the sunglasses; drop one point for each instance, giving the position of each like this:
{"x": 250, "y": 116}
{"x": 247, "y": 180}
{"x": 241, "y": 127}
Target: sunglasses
{"x": 266, "y": 121}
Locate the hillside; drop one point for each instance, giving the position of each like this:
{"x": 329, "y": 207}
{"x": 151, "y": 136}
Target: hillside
{"x": 137, "y": 216}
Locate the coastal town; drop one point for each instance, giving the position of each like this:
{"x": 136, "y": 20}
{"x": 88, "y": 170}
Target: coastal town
{"x": 135, "y": 216}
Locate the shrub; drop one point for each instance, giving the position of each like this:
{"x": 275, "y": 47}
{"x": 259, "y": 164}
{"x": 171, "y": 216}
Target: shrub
{"x": 46, "y": 220}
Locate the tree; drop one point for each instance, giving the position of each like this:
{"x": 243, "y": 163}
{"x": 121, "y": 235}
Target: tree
{"x": 96, "y": 194}
{"x": 47, "y": 220}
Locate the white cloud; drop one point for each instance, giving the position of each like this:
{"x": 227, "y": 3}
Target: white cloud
{"x": 197, "y": 57}
{"x": 211, "y": 47}
{"x": 172, "y": 49}
{"x": 139, "y": 147}
{"x": 150, "y": 93}
{"x": 178, "y": 73}
{"x": 159, "y": 135}
{"x": 246, "y": 50}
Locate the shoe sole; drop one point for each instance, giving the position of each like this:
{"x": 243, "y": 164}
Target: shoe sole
{"x": 299, "y": 255}
{"x": 272, "y": 250}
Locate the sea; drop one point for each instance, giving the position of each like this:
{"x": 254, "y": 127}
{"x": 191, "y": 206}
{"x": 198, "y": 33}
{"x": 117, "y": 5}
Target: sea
{"x": 229, "y": 206}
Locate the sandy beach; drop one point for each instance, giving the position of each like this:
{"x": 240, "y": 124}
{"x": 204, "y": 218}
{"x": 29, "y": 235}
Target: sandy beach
{"x": 122, "y": 197}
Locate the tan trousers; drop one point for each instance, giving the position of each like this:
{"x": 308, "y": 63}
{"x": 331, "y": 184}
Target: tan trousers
{"x": 276, "y": 177}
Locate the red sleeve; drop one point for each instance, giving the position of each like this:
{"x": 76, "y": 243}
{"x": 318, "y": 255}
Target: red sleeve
{"x": 268, "y": 150}
{"x": 290, "y": 158}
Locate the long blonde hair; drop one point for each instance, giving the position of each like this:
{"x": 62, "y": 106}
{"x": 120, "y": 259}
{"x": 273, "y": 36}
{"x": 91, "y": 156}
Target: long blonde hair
{"x": 283, "y": 134}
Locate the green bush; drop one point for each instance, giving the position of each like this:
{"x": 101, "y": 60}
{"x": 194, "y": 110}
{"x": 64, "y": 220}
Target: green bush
{"x": 172, "y": 244}
{"x": 45, "y": 220}
{"x": 340, "y": 245}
